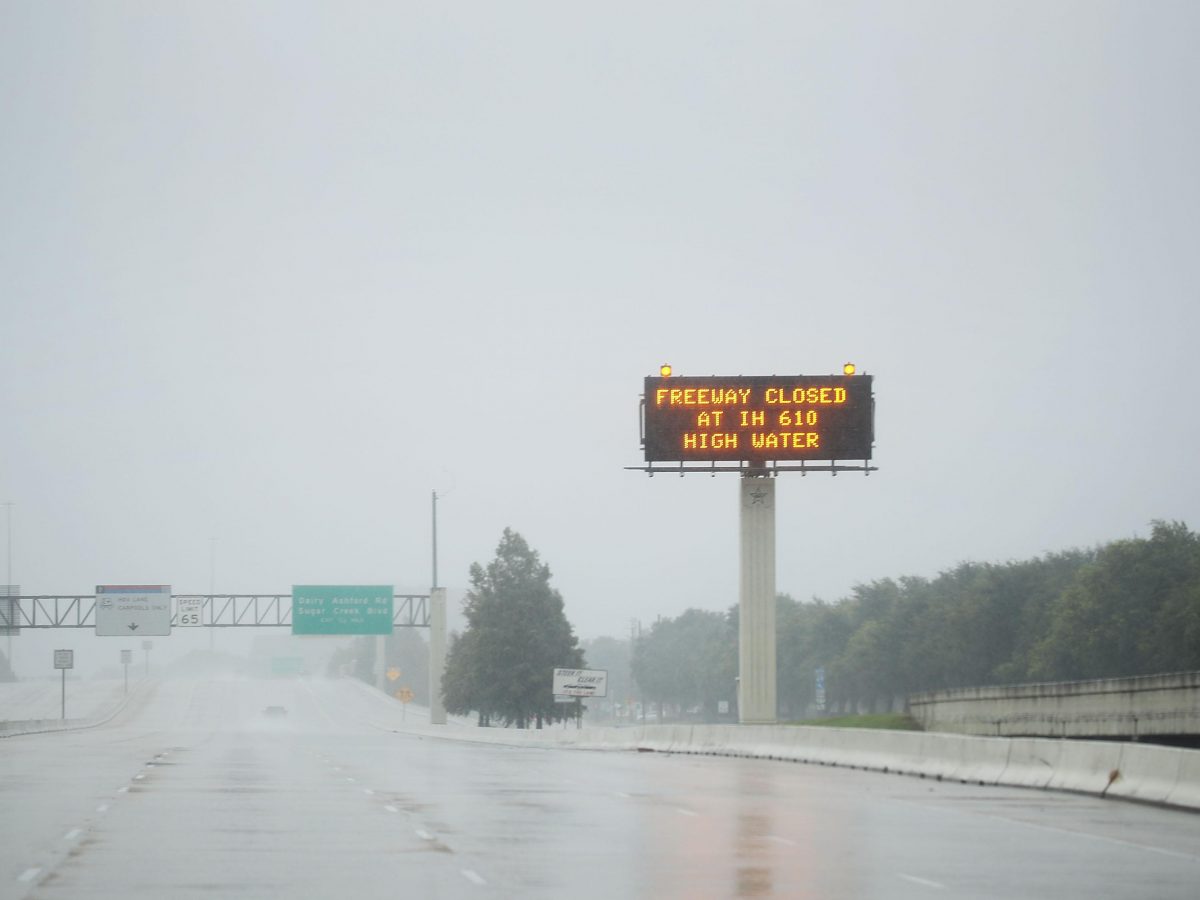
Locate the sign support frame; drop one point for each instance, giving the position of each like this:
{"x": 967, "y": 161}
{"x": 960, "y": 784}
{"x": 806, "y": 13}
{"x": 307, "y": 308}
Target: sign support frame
{"x": 757, "y": 670}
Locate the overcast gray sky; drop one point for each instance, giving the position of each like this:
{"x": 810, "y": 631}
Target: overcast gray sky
{"x": 270, "y": 273}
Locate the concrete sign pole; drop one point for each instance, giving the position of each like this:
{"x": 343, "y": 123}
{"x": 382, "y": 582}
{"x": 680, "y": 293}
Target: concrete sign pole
{"x": 380, "y": 663}
{"x": 756, "y": 633}
{"x": 437, "y": 655}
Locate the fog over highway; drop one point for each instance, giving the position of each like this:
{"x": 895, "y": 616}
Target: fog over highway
{"x": 192, "y": 790}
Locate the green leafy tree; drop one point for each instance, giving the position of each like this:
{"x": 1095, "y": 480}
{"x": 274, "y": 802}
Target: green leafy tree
{"x": 815, "y": 637}
{"x": 613, "y": 655}
{"x": 688, "y": 662}
{"x": 517, "y": 633}
{"x": 1135, "y": 610}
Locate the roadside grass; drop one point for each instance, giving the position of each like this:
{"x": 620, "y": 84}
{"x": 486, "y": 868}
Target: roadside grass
{"x": 892, "y": 721}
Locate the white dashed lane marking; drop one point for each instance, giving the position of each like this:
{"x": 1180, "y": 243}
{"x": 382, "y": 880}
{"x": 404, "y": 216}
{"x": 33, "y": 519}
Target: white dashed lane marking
{"x": 474, "y": 877}
{"x": 924, "y": 882}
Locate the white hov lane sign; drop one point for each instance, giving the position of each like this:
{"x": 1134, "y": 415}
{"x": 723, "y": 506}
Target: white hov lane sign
{"x": 133, "y": 610}
{"x": 581, "y": 682}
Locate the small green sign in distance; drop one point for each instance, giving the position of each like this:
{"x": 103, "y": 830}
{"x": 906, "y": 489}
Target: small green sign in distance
{"x": 342, "y": 609}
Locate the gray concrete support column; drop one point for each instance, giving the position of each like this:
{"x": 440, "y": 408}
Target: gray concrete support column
{"x": 437, "y": 655}
{"x": 381, "y": 662}
{"x": 756, "y": 603}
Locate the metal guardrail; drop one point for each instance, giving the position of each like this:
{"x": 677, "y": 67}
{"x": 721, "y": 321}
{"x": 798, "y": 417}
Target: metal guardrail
{"x": 219, "y": 611}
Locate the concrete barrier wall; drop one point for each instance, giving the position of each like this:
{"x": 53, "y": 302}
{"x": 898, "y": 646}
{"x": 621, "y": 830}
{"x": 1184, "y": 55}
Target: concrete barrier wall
{"x": 1123, "y": 770}
{"x": 1116, "y": 707}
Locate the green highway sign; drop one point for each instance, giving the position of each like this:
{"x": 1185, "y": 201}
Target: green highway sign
{"x": 342, "y": 609}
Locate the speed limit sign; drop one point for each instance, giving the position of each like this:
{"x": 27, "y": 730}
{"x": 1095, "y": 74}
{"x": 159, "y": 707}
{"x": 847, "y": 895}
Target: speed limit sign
{"x": 188, "y": 610}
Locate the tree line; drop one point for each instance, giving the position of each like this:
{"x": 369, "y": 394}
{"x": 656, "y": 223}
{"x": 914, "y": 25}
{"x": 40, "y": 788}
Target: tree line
{"x": 1130, "y": 607}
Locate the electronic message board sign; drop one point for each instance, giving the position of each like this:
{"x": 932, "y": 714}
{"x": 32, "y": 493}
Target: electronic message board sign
{"x": 759, "y": 418}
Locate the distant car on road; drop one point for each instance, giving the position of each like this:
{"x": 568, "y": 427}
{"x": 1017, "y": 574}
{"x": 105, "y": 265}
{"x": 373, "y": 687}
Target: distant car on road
{"x": 275, "y": 712}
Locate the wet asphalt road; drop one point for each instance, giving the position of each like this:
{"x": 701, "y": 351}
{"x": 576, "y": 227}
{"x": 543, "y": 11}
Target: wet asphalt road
{"x": 194, "y": 793}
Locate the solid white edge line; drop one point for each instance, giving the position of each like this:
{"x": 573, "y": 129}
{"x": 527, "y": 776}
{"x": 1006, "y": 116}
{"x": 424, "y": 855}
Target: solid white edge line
{"x": 686, "y": 812}
{"x": 28, "y": 875}
{"x": 424, "y": 835}
{"x": 782, "y": 840}
{"x": 72, "y": 834}
{"x": 1105, "y": 838}
{"x": 391, "y": 809}
{"x": 474, "y": 877}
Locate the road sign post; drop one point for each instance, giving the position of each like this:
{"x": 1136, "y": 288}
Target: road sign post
{"x": 126, "y": 659}
{"x": 147, "y": 646}
{"x": 64, "y": 659}
{"x": 405, "y": 696}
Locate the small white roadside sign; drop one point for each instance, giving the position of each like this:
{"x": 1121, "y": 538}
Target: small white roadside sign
{"x": 64, "y": 659}
{"x": 581, "y": 682}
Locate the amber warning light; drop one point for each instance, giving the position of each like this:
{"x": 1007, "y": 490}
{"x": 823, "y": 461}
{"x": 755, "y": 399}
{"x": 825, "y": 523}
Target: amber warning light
{"x": 759, "y": 418}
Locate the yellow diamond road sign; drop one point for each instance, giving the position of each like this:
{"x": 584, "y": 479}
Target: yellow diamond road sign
{"x": 393, "y": 673}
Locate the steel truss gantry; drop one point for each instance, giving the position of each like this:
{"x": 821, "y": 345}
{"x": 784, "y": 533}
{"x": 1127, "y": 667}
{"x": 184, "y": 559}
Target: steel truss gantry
{"x": 219, "y": 611}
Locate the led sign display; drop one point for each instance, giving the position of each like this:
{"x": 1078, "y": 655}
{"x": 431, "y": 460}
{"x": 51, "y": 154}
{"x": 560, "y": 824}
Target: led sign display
{"x": 759, "y": 418}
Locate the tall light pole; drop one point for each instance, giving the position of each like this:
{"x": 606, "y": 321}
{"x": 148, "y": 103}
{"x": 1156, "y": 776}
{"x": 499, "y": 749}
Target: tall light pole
{"x": 212, "y": 589}
{"x": 8, "y": 505}
{"x": 437, "y": 637}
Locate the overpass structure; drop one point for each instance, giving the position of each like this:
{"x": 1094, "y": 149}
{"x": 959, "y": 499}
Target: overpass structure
{"x": 1157, "y": 707}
